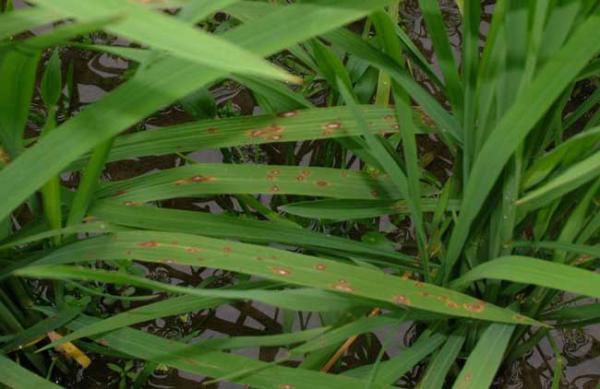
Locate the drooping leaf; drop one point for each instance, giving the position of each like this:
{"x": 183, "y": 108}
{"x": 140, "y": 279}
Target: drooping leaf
{"x": 246, "y": 229}
{"x": 110, "y": 115}
{"x": 278, "y": 265}
{"x": 171, "y": 35}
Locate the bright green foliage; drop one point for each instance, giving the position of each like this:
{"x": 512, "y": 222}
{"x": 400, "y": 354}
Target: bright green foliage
{"x": 491, "y": 239}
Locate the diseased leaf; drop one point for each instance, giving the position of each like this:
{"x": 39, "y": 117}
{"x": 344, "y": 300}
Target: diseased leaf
{"x": 278, "y": 265}
{"x": 205, "y": 179}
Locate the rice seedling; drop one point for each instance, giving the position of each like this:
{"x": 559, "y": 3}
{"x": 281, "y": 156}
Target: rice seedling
{"x": 349, "y": 229}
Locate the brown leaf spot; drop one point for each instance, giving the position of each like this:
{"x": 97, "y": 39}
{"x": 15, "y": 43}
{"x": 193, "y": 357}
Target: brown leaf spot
{"x": 133, "y": 203}
{"x": 303, "y": 175}
{"x": 342, "y": 286}
{"x": 401, "y": 300}
{"x": 287, "y": 114}
{"x": 201, "y": 178}
{"x": 273, "y": 174}
{"x": 103, "y": 342}
{"x": 167, "y": 261}
{"x": 119, "y": 193}
{"x": 182, "y": 182}
{"x": 424, "y": 294}
{"x": 475, "y": 307}
{"x": 192, "y": 250}
{"x": 274, "y": 189}
{"x": 282, "y": 271}
{"x": 332, "y": 126}
{"x": 451, "y": 304}
{"x": 227, "y": 250}
{"x": 147, "y": 244}
{"x": 375, "y": 194}
{"x": 448, "y": 301}
{"x": 272, "y": 132}
{"x": 520, "y": 318}
{"x": 197, "y": 178}
{"x": 374, "y": 173}
{"x": 399, "y": 206}
{"x": 212, "y": 130}
{"x": 419, "y": 284}
{"x": 582, "y": 260}
{"x": 426, "y": 119}
{"x": 286, "y": 386}
{"x": 466, "y": 381}
{"x": 322, "y": 184}
{"x": 191, "y": 361}
{"x": 389, "y": 117}
{"x": 320, "y": 266}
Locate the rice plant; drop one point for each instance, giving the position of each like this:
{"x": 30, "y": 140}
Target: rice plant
{"x": 490, "y": 242}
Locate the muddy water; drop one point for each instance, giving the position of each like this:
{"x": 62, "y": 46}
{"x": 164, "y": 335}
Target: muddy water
{"x": 95, "y": 74}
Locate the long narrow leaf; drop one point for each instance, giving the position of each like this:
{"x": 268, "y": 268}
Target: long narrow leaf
{"x": 216, "y": 363}
{"x": 279, "y": 265}
{"x": 220, "y": 226}
{"x": 171, "y": 35}
{"x": 485, "y": 359}
{"x": 569, "y": 180}
{"x": 338, "y": 210}
{"x": 203, "y": 179}
{"x": 316, "y": 123}
{"x": 516, "y": 124}
{"x": 537, "y": 272}
{"x": 15, "y": 376}
{"x": 108, "y": 116}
